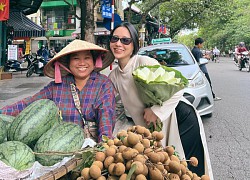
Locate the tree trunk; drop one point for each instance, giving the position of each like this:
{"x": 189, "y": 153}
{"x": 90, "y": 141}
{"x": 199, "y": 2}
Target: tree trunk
{"x": 90, "y": 22}
{"x": 83, "y": 18}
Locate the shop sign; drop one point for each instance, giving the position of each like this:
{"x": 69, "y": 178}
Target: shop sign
{"x": 12, "y": 52}
{"x": 106, "y": 12}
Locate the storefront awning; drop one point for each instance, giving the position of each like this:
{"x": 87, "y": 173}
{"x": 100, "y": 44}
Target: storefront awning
{"x": 23, "y": 26}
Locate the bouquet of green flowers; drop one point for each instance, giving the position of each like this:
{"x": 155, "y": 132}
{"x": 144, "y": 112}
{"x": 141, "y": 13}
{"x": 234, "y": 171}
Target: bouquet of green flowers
{"x": 158, "y": 83}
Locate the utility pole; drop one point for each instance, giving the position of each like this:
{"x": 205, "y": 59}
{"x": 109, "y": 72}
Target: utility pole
{"x": 83, "y": 18}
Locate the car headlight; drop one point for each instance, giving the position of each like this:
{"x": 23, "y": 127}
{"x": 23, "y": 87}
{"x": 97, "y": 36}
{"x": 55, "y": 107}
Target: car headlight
{"x": 198, "y": 81}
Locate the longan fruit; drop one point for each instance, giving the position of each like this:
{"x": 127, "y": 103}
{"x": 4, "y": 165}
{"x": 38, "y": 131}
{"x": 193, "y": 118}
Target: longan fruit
{"x": 105, "y": 145}
{"x": 162, "y": 157}
{"x": 147, "y": 132}
{"x": 129, "y": 153}
{"x": 159, "y": 166}
{"x": 118, "y": 158}
{"x": 85, "y": 173}
{"x": 169, "y": 150}
{"x": 140, "y": 129}
{"x": 165, "y": 155}
{"x": 175, "y": 158}
{"x": 109, "y": 160}
{"x": 110, "y": 142}
{"x": 173, "y": 176}
{"x": 147, "y": 151}
{"x": 139, "y": 147}
{"x": 99, "y": 164}
{"x": 117, "y": 142}
{"x": 174, "y": 167}
{"x": 123, "y": 177}
{"x": 205, "y": 177}
{"x": 184, "y": 163}
{"x": 190, "y": 174}
{"x": 111, "y": 168}
{"x": 140, "y": 158}
{"x": 193, "y": 161}
{"x": 128, "y": 164}
{"x": 101, "y": 178}
{"x": 145, "y": 143}
{"x": 100, "y": 156}
{"x": 125, "y": 141}
{"x": 155, "y": 173}
{"x": 185, "y": 177}
{"x": 157, "y": 144}
{"x": 145, "y": 170}
{"x": 154, "y": 134}
{"x": 154, "y": 157}
{"x": 119, "y": 169}
{"x": 140, "y": 177}
{"x": 110, "y": 151}
{"x": 133, "y": 139}
{"x": 95, "y": 171}
{"x": 139, "y": 167}
{"x": 121, "y": 148}
{"x": 159, "y": 136}
{"x": 122, "y": 133}
{"x": 183, "y": 169}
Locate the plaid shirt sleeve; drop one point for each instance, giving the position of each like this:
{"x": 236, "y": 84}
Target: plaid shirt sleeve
{"x": 17, "y": 107}
{"x": 106, "y": 110}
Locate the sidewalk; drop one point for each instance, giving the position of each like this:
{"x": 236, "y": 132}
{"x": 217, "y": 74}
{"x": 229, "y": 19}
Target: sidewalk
{"x": 19, "y": 87}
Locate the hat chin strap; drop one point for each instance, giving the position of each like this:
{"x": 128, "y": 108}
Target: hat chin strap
{"x": 58, "y": 76}
{"x": 98, "y": 62}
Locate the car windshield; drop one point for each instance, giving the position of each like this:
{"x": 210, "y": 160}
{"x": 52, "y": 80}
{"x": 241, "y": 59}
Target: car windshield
{"x": 169, "y": 56}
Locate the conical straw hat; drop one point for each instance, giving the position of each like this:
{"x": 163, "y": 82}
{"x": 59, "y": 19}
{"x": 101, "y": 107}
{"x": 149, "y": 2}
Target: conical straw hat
{"x": 76, "y": 46}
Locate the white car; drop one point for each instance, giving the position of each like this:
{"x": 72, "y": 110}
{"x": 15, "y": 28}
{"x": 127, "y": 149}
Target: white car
{"x": 179, "y": 57}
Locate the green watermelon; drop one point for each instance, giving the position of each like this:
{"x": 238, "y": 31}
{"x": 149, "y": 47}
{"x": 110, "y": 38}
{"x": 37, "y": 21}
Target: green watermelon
{"x": 30, "y": 124}
{"x": 7, "y": 119}
{"x": 3, "y": 131}
{"x": 17, "y": 155}
{"x": 65, "y": 137}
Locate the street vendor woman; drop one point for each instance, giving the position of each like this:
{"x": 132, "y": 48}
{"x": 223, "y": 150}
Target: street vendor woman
{"x": 77, "y": 79}
{"x": 182, "y": 125}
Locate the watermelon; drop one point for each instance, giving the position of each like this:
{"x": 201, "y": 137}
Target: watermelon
{"x": 17, "y": 155}
{"x": 3, "y": 131}
{"x": 31, "y": 123}
{"x": 7, "y": 119}
{"x": 65, "y": 137}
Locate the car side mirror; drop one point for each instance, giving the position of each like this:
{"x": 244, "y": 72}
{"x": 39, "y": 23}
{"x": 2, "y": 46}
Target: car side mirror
{"x": 203, "y": 61}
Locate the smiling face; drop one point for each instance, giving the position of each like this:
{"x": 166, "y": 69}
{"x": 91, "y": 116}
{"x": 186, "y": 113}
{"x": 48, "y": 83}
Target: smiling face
{"x": 81, "y": 64}
{"x": 122, "y": 52}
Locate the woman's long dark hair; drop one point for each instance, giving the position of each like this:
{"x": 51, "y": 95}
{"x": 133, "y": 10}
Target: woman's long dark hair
{"x": 133, "y": 33}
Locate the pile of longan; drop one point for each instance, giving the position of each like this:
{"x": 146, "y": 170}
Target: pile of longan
{"x": 139, "y": 147}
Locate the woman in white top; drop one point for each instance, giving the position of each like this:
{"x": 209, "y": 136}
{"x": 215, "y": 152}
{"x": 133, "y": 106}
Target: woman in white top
{"x": 182, "y": 125}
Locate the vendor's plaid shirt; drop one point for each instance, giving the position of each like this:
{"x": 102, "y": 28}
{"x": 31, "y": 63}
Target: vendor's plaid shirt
{"x": 97, "y": 100}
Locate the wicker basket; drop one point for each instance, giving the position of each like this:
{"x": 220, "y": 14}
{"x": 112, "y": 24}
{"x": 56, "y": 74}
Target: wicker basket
{"x": 59, "y": 172}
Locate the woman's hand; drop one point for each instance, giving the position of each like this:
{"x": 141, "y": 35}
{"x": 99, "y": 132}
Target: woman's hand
{"x": 149, "y": 116}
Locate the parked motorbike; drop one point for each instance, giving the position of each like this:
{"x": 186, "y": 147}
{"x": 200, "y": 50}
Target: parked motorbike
{"x": 15, "y": 65}
{"x": 36, "y": 66}
{"x": 244, "y": 63}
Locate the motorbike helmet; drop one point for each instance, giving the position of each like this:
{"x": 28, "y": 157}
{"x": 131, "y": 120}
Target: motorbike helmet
{"x": 241, "y": 44}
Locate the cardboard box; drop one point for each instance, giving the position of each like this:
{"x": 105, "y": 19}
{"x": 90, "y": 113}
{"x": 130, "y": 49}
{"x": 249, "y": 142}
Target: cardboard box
{"x": 5, "y": 75}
